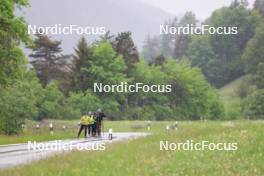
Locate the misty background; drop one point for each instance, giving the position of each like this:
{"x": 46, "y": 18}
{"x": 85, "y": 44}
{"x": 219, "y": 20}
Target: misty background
{"x": 141, "y": 17}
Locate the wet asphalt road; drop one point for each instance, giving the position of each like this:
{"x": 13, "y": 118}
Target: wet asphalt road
{"x": 17, "y": 154}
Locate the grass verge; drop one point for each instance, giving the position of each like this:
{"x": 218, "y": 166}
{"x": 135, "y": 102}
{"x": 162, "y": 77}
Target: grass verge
{"x": 143, "y": 156}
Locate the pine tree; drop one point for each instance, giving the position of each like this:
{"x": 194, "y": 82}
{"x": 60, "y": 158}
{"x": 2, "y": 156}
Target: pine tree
{"x": 182, "y": 40}
{"x": 107, "y": 37}
{"x": 80, "y": 60}
{"x": 259, "y": 6}
{"x": 151, "y": 48}
{"x": 159, "y": 61}
{"x": 253, "y": 54}
{"x": 125, "y": 46}
{"x": 48, "y": 61}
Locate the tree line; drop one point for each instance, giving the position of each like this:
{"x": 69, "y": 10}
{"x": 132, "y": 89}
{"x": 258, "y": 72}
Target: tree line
{"x": 50, "y": 84}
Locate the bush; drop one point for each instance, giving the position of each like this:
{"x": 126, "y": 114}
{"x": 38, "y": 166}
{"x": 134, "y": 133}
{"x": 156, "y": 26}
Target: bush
{"x": 83, "y": 101}
{"x": 18, "y": 102}
{"x": 77, "y": 103}
{"x": 69, "y": 112}
{"x": 215, "y": 106}
{"x": 253, "y": 105}
{"x": 111, "y": 108}
{"x": 162, "y": 112}
{"x": 51, "y": 103}
{"x": 192, "y": 97}
{"x": 246, "y": 87}
{"x": 134, "y": 113}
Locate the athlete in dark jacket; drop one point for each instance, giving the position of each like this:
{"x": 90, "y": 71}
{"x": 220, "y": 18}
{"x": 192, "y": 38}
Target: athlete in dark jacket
{"x": 99, "y": 116}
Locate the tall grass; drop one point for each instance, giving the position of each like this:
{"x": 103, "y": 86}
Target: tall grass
{"x": 143, "y": 156}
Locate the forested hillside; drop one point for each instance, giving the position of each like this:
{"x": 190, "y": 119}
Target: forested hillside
{"x": 218, "y": 56}
{"x": 223, "y": 59}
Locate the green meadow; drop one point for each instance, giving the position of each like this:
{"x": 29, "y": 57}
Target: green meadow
{"x": 144, "y": 157}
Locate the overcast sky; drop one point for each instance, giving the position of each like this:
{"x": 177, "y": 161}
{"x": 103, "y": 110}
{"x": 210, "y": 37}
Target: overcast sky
{"x": 202, "y": 8}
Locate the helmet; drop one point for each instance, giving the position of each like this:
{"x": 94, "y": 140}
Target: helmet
{"x": 89, "y": 113}
{"x": 99, "y": 110}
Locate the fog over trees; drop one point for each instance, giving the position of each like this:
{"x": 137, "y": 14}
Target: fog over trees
{"x": 116, "y": 15}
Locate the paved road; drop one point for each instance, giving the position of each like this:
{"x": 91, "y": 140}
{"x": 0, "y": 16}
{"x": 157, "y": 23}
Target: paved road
{"x": 17, "y": 154}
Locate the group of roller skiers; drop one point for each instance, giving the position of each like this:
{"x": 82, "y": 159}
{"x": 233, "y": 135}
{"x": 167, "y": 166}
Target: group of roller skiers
{"x": 91, "y": 123}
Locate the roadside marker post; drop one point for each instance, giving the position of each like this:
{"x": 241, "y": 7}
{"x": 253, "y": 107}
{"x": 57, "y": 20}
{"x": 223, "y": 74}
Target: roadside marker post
{"x": 64, "y": 127}
{"x": 23, "y": 126}
{"x": 51, "y": 128}
{"x": 37, "y": 126}
{"x": 110, "y": 134}
{"x": 168, "y": 128}
{"x": 148, "y": 125}
{"x": 176, "y": 125}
